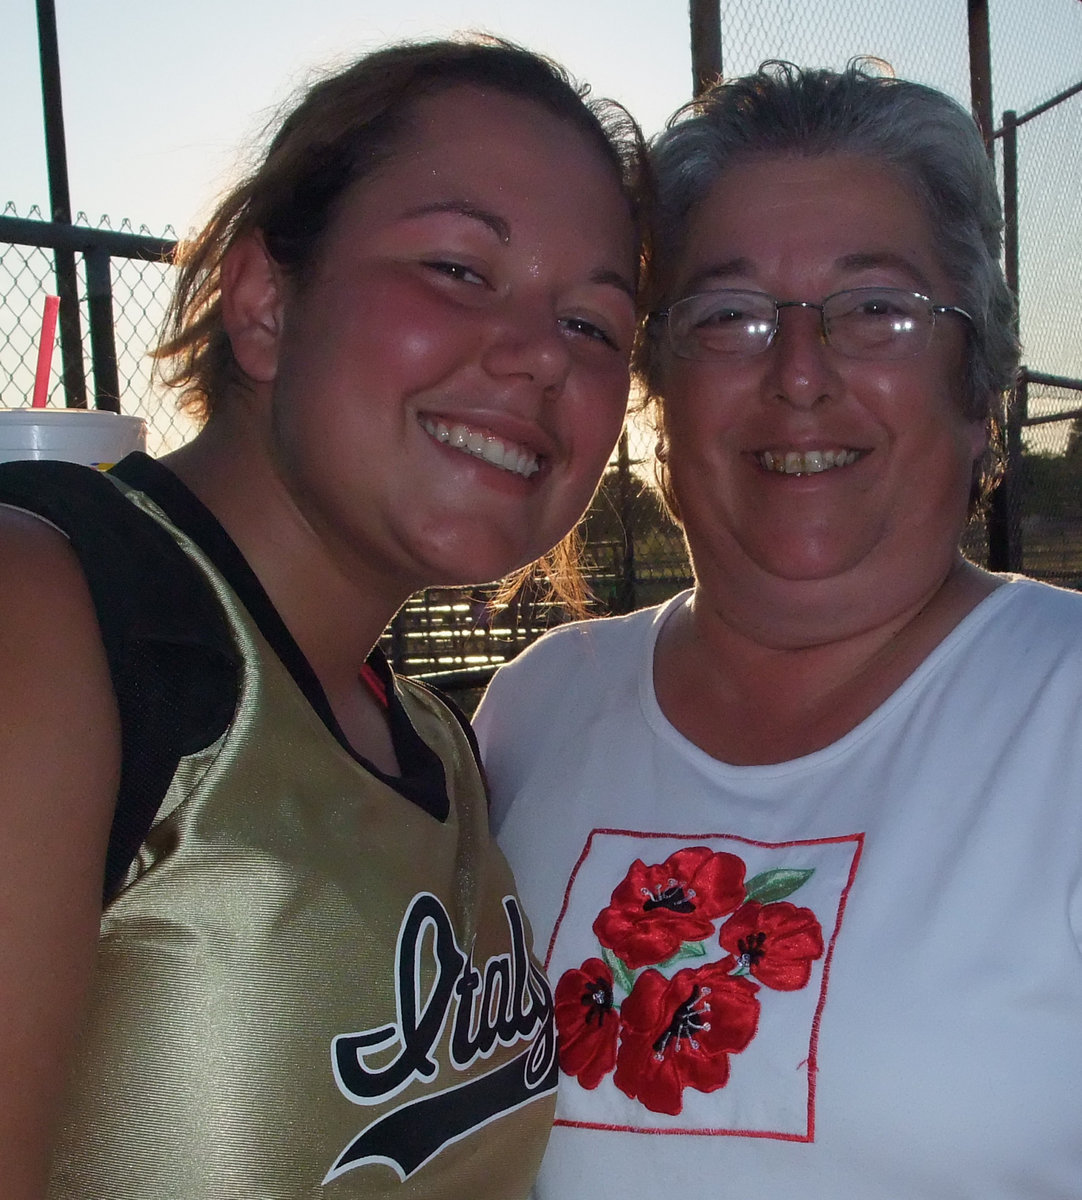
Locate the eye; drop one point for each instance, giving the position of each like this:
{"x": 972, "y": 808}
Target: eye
{"x": 879, "y": 304}
{"x": 581, "y": 327}
{"x": 724, "y": 315}
{"x": 724, "y": 310}
{"x": 456, "y": 270}
{"x": 877, "y": 308}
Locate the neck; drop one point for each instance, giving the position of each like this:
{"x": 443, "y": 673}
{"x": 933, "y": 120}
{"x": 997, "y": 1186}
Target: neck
{"x": 747, "y": 697}
{"x": 335, "y": 608}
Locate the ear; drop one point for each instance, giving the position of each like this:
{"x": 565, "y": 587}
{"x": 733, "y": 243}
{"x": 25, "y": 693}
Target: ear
{"x": 253, "y": 290}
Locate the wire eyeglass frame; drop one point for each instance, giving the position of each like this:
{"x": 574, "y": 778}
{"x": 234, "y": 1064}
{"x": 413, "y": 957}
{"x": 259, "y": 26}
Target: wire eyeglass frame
{"x": 895, "y": 323}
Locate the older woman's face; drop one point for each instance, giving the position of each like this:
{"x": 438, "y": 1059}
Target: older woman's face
{"x": 800, "y": 464}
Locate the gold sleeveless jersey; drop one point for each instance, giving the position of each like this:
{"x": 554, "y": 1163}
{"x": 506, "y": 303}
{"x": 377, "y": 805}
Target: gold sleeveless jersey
{"x": 309, "y": 986}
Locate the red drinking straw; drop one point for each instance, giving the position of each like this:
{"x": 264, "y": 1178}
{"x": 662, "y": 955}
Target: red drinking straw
{"x": 45, "y": 351}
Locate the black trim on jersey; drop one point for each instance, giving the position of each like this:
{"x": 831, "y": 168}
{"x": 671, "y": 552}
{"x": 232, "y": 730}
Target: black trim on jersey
{"x": 172, "y": 661}
{"x": 422, "y": 780}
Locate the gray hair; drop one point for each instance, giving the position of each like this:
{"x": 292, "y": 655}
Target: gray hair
{"x": 784, "y": 110}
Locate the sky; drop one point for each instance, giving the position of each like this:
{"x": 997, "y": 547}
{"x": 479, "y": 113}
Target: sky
{"x": 161, "y": 98}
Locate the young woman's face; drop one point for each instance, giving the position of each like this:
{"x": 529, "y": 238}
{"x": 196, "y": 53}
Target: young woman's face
{"x": 452, "y": 373}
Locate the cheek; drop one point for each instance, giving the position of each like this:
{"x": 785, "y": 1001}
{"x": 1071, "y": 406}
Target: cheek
{"x": 913, "y": 400}
{"x": 595, "y": 404}
{"x": 700, "y": 408}
{"x": 385, "y": 324}
{"x": 888, "y": 391}
{"x": 609, "y": 420}
{"x": 399, "y": 333}
{"x": 396, "y": 360}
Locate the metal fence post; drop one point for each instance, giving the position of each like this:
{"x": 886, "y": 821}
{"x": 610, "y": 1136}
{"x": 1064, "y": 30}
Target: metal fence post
{"x": 1004, "y": 531}
{"x": 1012, "y": 481}
{"x": 67, "y": 288}
{"x": 980, "y": 67}
{"x": 625, "y": 488}
{"x": 705, "y": 43}
{"x": 1010, "y": 205}
{"x": 99, "y": 298}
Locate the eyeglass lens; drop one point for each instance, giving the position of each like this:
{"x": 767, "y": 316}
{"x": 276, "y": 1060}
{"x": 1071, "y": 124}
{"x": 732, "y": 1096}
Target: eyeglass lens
{"x": 875, "y": 323}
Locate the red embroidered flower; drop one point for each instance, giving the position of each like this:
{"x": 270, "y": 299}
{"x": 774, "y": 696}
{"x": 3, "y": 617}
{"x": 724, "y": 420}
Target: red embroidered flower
{"x": 679, "y": 1032}
{"x": 656, "y": 909}
{"x": 587, "y": 1022}
{"x": 777, "y": 943}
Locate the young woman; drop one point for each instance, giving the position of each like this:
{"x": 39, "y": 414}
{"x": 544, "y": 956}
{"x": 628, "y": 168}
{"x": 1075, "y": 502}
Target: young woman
{"x": 408, "y": 332}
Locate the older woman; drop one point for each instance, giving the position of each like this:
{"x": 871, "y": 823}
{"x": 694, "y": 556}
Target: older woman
{"x": 803, "y": 846}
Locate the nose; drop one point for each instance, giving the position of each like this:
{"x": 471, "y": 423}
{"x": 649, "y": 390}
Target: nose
{"x": 801, "y": 367}
{"x": 527, "y": 341}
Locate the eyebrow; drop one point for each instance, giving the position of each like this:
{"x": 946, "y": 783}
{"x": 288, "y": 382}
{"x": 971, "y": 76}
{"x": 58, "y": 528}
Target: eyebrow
{"x": 464, "y": 208}
{"x": 616, "y": 280}
{"x": 862, "y": 260}
{"x": 872, "y": 259}
{"x": 719, "y": 271}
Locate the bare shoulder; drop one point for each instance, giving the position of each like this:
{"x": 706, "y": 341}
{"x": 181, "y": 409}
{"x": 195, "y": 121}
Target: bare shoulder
{"x": 51, "y": 654}
{"x": 59, "y": 767}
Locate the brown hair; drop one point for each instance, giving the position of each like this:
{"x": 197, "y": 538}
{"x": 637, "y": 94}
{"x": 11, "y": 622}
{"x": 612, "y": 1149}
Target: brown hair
{"x": 341, "y": 129}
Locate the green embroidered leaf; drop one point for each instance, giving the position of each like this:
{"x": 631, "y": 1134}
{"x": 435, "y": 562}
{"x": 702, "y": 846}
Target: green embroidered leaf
{"x": 687, "y": 950}
{"x": 777, "y": 884}
{"x": 620, "y": 973}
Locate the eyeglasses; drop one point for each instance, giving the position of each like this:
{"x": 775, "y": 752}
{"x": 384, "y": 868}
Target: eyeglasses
{"x": 869, "y": 323}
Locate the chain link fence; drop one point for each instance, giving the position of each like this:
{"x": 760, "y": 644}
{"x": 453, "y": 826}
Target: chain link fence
{"x": 635, "y": 556}
{"x": 1040, "y": 155}
{"x": 140, "y": 292}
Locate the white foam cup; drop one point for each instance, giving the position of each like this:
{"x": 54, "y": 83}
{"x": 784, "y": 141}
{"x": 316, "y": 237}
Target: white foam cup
{"x": 94, "y": 437}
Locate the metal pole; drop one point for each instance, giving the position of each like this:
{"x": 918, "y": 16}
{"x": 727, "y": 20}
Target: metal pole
{"x": 625, "y": 488}
{"x": 99, "y": 303}
{"x": 1010, "y": 550}
{"x": 1045, "y": 105}
{"x": 1010, "y": 206}
{"x": 980, "y": 68}
{"x": 67, "y": 285}
{"x": 1017, "y": 405}
{"x": 705, "y": 43}
{"x": 1004, "y": 552}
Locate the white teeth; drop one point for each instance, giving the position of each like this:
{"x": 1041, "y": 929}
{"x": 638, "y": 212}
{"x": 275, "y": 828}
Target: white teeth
{"x": 505, "y": 455}
{"x": 806, "y": 462}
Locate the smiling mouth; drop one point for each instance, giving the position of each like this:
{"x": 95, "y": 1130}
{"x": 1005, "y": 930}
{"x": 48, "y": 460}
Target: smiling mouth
{"x": 805, "y": 462}
{"x": 507, "y": 456}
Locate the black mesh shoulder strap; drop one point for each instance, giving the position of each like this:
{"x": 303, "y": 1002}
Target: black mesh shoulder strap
{"x": 171, "y": 655}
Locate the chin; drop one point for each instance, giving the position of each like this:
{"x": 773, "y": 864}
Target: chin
{"x": 464, "y": 567}
{"x": 804, "y": 564}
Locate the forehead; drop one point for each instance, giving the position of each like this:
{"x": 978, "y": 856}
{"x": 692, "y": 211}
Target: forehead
{"x": 479, "y": 134}
{"x": 541, "y": 182}
{"x": 811, "y": 222}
